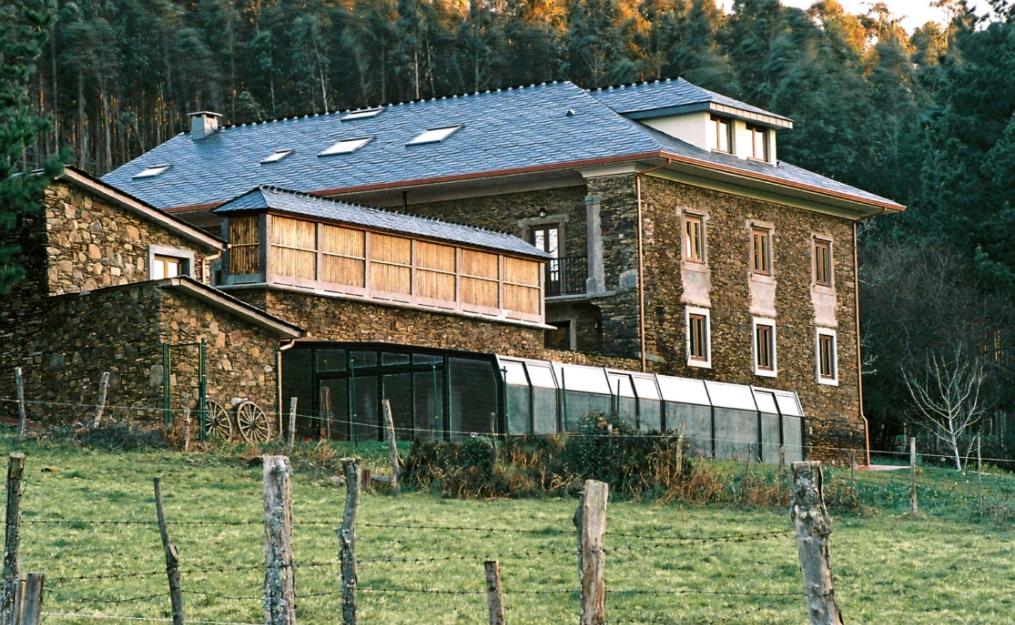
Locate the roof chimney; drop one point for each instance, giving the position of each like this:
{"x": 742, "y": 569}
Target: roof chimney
{"x": 203, "y": 124}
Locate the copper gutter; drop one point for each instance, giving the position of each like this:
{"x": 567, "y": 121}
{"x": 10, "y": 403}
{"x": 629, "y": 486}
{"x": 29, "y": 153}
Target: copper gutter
{"x": 641, "y": 268}
{"x": 859, "y": 359}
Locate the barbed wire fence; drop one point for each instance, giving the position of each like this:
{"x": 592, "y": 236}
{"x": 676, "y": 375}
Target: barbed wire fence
{"x": 589, "y": 594}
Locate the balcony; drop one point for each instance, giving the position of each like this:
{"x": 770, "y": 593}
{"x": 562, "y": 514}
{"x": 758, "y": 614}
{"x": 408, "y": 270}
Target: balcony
{"x": 566, "y": 276}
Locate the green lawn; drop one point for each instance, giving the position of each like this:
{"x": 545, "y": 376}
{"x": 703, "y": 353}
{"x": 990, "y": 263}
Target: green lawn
{"x": 944, "y": 566}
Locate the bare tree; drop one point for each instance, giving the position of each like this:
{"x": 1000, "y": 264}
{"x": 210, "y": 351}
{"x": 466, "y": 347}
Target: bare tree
{"x": 947, "y": 397}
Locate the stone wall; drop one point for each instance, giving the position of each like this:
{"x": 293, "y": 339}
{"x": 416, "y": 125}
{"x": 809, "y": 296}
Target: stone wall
{"x": 340, "y": 319}
{"x": 833, "y": 411}
{"x": 120, "y": 330}
{"x": 93, "y": 244}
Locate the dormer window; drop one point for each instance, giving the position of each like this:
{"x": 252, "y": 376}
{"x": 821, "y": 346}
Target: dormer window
{"x": 276, "y": 156}
{"x": 722, "y": 130}
{"x": 434, "y": 135}
{"x": 346, "y": 146}
{"x": 759, "y": 143}
{"x": 151, "y": 172}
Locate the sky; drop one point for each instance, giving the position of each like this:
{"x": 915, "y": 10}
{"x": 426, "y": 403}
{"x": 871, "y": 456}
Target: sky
{"x": 914, "y": 13}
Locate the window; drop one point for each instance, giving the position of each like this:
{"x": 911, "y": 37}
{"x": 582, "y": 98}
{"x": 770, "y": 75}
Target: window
{"x": 759, "y": 143}
{"x": 434, "y": 135}
{"x": 362, "y": 114}
{"x": 276, "y": 156}
{"x": 151, "y": 172}
{"x": 823, "y": 262}
{"x": 560, "y": 336}
{"x": 547, "y": 238}
{"x": 764, "y": 347}
{"x": 167, "y": 267}
{"x": 827, "y": 359}
{"x": 761, "y": 251}
{"x": 722, "y": 128}
{"x": 346, "y": 146}
{"x": 694, "y": 240}
{"x": 698, "y": 337}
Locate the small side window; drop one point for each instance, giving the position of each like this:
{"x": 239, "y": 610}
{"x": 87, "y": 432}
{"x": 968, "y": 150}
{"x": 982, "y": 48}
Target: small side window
{"x": 694, "y": 238}
{"x": 823, "y": 262}
{"x": 699, "y": 340}
{"x": 761, "y": 251}
{"x": 764, "y": 347}
{"x": 827, "y": 357}
{"x": 722, "y": 129}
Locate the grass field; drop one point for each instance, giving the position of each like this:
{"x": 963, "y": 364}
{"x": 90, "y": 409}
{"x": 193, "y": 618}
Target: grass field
{"x": 944, "y": 566}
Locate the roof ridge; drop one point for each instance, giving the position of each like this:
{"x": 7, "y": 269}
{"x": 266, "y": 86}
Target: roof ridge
{"x": 392, "y": 103}
{"x": 625, "y": 85}
{"x": 374, "y": 208}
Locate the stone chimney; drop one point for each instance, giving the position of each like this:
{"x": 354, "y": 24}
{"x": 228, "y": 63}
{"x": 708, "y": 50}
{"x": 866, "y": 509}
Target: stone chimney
{"x": 203, "y": 124}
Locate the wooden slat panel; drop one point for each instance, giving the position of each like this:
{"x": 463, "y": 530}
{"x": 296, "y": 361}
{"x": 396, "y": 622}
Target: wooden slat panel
{"x": 478, "y": 292}
{"x": 435, "y": 285}
{"x": 244, "y": 256}
{"x": 521, "y": 271}
{"x": 243, "y": 229}
{"x": 434, "y": 256}
{"x": 293, "y": 263}
{"x": 389, "y": 278}
{"x": 344, "y": 241}
{"x": 340, "y": 270}
{"x": 524, "y": 299}
{"x": 293, "y": 233}
{"x": 479, "y": 264}
{"x": 390, "y": 249}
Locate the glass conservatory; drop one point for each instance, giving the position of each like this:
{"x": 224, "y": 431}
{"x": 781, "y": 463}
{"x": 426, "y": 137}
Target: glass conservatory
{"x": 442, "y": 394}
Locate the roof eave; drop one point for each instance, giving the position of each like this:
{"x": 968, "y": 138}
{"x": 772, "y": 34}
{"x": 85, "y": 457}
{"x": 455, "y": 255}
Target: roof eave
{"x": 771, "y": 120}
{"x": 215, "y": 297}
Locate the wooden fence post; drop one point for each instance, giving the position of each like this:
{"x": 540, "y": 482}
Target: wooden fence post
{"x": 979, "y": 474}
{"x": 347, "y": 539}
{"x": 19, "y": 384}
{"x": 914, "y": 504}
{"x": 812, "y": 530}
{"x": 172, "y": 557}
{"x": 292, "y": 424}
{"x": 396, "y": 470}
{"x": 494, "y": 596}
{"x": 590, "y": 519}
{"x": 324, "y": 429}
{"x": 31, "y": 609}
{"x": 279, "y": 582}
{"x": 186, "y": 429}
{"x": 12, "y": 538}
{"x": 100, "y": 405}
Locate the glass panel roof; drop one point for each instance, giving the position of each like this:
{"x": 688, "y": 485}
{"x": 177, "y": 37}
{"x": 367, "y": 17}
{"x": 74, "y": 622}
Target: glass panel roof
{"x": 582, "y": 379}
{"x": 514, "y": 373}
{"x": 683, "y": 390}
{"x": 362, "y": 114}
{"x": 620, "y": 384}
{"x": 731, "y": 396}
{"x": 788, "y": 404}
{"x": 646, "y": 387}
{"x": 541, "y": 375}
{"x": 346, "y": 146}
{"x": 434, "y": 135}
{"x": 152, "y": 171}
{"x": 766, "y": 401}
{"x": 276, "y": 156}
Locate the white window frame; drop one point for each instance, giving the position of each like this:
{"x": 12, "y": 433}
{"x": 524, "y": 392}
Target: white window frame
{"x": 818, "y": 333}
{"x": 185, "y": 255}
{"x": 774, "y": 371}
{"x": 152, "y": 171}
{"x": 362, "y": 114}
{"x": 346, "y": 146}
{"x": 434, "y": 135}
{"x": 707, "y": 314}
{"x": 276, "y": 156}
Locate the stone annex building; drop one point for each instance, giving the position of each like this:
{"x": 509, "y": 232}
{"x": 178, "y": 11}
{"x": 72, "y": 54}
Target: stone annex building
{"x": 508, "y": 261}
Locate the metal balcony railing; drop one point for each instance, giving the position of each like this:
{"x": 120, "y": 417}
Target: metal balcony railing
{"x": 566, "y": 276}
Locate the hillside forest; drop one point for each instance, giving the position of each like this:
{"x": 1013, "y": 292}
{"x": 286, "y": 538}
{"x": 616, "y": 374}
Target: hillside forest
{"x": 924, "y": 117}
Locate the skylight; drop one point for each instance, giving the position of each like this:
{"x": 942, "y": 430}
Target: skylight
{"x": 434, "y": 135}
{"x": 362, "y": 114}
{"x": 152, "y": 171}
{"x": 276, "y": 156}
{"x": 346, "y": 146}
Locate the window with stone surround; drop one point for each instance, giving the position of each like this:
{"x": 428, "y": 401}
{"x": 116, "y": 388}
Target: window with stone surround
{"x": 761, "y": 251}
{"x": 694, "y": 238}
{"x": 826, "y": 355}
{"x": 722, "y": 134}
{"x": 764, "y": 347}
{"x": 699, "y": 339}
{"x": 823, "y": 262}
{"x": 168, "y": 262}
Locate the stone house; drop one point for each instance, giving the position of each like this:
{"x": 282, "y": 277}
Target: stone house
{"x": 677, "y": 245}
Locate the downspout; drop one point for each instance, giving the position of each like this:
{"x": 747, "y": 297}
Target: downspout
{"x": 641, "y": 267}
{"x": 859, "y": 358}
{"x": 206, "y": 265}
{"x": 278, "y": 380}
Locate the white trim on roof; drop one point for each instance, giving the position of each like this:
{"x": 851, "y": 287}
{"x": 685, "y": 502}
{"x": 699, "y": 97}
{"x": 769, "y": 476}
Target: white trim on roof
{"x": 434, "y": 135}
{"x": 346, "y": 146}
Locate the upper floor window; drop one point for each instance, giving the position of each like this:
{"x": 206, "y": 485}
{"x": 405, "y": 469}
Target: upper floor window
{"x": 761, "y": 251}
{"x": 698, "y": 339}
{"x": 759, "y": 143}
{"x": 722, "y": 129}
{"x": 694, "y": 238}
{"x": 168, "y": 267}
{"x": 823, "y": 262}
{"x": 827, "y": 364}
{"x": 764, "y": 347}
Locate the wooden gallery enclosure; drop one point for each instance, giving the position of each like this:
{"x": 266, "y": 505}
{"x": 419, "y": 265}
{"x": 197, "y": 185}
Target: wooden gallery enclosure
{"x": 283, "y": 239}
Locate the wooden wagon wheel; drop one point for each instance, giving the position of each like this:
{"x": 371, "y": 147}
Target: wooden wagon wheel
{"x": 253, "y": 423}
{"x": 217, "y": 422}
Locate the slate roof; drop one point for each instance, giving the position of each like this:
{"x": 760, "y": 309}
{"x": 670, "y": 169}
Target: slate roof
{"x": 553, "y": 125}
{"x": 285, "y": 201}
{"x": 666, "y": 95}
